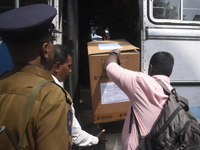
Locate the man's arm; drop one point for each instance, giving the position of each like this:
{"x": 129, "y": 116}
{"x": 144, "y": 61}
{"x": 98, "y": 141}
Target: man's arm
{"x": 113, "y": 57}
{"x": 82, "y": 138}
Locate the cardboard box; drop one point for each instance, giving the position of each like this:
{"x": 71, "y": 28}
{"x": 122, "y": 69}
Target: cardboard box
{"x": 105, "y": 108}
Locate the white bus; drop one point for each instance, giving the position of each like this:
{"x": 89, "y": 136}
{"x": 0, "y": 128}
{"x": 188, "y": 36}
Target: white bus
{"x": 164, "y": 25}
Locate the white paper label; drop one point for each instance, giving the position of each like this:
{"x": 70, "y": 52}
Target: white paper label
{"x": 111, "y": 93}
{"x": 109, "y": 46}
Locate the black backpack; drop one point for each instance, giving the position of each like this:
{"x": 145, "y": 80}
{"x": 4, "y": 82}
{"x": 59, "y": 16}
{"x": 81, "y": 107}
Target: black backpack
{"x": 175, "y": 129}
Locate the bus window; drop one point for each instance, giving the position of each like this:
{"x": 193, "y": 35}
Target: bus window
{"x": 166, "y": 10}
{"x": 191, "y": 10}
{"x": 177, "y": 11}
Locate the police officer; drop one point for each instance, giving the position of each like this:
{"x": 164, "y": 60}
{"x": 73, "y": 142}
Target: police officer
{"x": 27, "y": 32}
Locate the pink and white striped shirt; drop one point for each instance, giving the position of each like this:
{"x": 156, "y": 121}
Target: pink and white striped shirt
{"x": 147, "y": 99}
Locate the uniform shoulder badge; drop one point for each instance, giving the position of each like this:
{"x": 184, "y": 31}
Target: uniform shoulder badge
{"x": 69, "y": 121}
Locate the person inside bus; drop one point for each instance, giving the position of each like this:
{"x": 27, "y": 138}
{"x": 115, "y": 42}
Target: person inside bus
{"x": 147, "y": 97}
{"x": 27, "y": 32}
{"x": 60, "y": 69}
{"x": 115, "y": 23}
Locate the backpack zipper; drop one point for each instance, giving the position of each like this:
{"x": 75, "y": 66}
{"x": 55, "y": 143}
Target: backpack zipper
{"x": 191, "y": 146}
{"x": 195, "y": 131}
{"x": 191, "y": 117}
{"x": 184, "y": 129}
{"x": 168, "y": 121}
{"x": 180, "y": 135}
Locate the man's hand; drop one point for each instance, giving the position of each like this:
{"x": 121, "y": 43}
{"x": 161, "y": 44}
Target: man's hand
{"x": 116, "y": 51}
{"x": 101, "y": 139}
{"x": 113, "y": 57}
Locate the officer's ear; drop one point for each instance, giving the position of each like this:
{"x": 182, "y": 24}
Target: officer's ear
{"x": 44, "y": 50}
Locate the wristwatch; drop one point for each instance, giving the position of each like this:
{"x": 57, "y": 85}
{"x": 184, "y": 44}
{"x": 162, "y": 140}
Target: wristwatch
{"x": 114, "y": 53}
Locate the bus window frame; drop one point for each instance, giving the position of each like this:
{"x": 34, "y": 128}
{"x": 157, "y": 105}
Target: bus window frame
{"x": 168, "y": 21}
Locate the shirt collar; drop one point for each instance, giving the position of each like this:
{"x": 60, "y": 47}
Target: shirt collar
{"x": 33, "y": 70}
{"x": 56, "y": 80}
{"x": 162, "y": 78}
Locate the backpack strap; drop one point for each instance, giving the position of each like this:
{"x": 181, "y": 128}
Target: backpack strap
{"x": 30, "y": 103}
{"x": 183, "y": 101}
{"x": 136, "y": 122}
{"x": 132, "y": 112}
{"x": 168, "y": 92}
{"x": 131, "y": 120}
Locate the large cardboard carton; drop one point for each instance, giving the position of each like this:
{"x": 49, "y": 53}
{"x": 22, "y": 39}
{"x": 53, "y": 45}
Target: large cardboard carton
{"x": 109, "y": 103}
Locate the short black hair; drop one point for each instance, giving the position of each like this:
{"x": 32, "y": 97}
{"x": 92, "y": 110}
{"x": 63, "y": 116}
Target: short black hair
{"x": 61, "y": 53}
{"x": 162, "y": 63}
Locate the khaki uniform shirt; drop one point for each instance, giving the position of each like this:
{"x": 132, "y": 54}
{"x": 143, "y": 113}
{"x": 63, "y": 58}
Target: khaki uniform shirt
{"x": 49, "y": 126}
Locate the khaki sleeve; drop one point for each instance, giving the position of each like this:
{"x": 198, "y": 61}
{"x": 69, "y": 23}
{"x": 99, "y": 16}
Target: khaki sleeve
{"x": 53, "y": 129}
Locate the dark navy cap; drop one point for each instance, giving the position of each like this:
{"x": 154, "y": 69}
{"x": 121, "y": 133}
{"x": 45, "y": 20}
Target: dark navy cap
{"x": 27, "y": 23}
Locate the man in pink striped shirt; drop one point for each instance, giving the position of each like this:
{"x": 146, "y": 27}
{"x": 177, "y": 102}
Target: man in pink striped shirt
{"x": 146, "y": 95}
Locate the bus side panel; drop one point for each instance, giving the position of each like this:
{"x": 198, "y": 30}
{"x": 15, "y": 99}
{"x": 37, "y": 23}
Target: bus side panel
{"x": 186, "y": 55}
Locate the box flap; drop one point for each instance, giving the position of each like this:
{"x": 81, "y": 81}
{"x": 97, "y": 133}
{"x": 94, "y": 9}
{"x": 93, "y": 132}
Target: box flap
{"x": 99, "y": 47}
